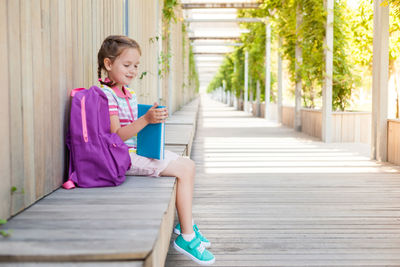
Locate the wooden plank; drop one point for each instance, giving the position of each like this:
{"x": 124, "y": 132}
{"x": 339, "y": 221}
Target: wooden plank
{"x": 57, "y": 93}
{"x": 27, "y": 103}
{"x": 5, "y": 152}
{"x": 181, "y": 119}
{"x": 112, "y": 230}
{"x": 178, "y": 134}
{"x": 38, "y": 98}
{"x": 159, "y": 252}
{"x": 15, "y": 93}
{"x": 78, "y": 264}
{"x": 300, "y": 218}
{"x": 178, "y": 149}
{"x": 86, "y": 45}
{"x": 46, "y": 94}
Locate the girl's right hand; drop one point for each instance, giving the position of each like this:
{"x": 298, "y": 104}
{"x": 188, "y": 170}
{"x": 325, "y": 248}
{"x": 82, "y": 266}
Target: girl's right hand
{"x": 156, "y": 115}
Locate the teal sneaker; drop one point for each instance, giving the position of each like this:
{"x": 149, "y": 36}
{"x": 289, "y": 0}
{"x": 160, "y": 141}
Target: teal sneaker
{"x": 203, "y": 239}
{"x": 195, "y": 250}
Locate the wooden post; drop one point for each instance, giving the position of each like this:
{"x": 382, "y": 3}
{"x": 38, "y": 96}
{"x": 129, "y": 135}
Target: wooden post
{"x": 299, "y": 61}
{"x": 224, "y": 92}
{"x": 258, "y": 107}
{"x": 159, "y": 51}
{"x": 170, "y": 107}
{"x": 246, "y": 79}
{"x": 380, "y": 77}
{"x": 327, "y": 88}
{"x": 280, "y": 81}
{"x": 267, "y": 67}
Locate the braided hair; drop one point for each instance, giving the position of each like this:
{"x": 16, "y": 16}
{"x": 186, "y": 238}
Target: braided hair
{"x": 111, "y": 48}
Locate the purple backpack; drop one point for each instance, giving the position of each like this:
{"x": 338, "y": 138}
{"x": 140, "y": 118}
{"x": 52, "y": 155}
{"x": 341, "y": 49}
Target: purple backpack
{"x": 97, "y": 157}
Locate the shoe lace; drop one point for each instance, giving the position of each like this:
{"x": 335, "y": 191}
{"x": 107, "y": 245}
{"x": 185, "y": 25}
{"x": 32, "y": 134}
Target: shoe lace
{"x": 201, "y": 248}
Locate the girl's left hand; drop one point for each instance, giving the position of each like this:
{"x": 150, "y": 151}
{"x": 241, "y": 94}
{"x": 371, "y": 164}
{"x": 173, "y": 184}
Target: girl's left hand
{"x": 156, "y": 115}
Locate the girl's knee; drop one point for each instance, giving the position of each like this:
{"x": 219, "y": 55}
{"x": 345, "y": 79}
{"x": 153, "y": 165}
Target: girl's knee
{"x": 188, "y": 168}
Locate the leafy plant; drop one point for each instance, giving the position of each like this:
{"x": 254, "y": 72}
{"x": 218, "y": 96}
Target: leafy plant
{"x": 4, "y": 233}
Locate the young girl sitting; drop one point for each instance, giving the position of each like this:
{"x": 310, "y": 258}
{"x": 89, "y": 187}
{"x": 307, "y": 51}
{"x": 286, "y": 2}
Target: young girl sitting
{"x": 119, "y": 58}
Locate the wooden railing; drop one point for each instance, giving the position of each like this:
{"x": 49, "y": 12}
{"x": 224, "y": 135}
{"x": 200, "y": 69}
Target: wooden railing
{"x": 393, "y": 148}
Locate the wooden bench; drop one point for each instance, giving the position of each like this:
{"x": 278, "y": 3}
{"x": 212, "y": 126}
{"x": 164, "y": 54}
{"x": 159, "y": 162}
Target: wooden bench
{"x": 181, "y": 128}
{"x": 126, "y": 225}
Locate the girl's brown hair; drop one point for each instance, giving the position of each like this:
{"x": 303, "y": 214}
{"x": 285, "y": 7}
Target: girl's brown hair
{"x": 111, "y": 48}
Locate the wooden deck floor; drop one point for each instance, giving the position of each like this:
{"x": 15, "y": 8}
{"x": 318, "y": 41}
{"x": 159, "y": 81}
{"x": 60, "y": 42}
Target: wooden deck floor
{"x": 267, "y": 196}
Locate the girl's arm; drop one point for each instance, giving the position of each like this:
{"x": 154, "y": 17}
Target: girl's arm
{"x": 153, "y": 115}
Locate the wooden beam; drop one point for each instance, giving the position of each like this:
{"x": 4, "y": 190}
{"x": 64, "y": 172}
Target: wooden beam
{"x": 211, "y": 53}
{"x": 327, "y": 88}
{"x": 380, "y": 77}
{"x": 220, "y": 5}
{"x": 213, "y": 38}
{"x": 216, "y": 44}
{"x": 227, "y": 20}
{"x": 299, "y": 61}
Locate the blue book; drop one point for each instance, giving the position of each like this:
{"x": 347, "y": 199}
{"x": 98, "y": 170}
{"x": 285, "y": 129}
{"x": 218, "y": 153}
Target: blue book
{"x": 151, "y": 139}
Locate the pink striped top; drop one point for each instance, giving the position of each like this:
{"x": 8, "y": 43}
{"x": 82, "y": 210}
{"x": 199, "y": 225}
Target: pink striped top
{"x": 125, "y": 107}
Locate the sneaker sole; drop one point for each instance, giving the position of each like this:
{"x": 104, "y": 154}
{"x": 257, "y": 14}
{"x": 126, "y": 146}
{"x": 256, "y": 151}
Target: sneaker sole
{"x": 184, "y": 252}
{"x": 205, "y": 244}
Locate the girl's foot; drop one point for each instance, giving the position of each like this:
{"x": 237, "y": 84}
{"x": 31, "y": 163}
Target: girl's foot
{"x": 195, "y": 250}
{"x": 203, "y": 239}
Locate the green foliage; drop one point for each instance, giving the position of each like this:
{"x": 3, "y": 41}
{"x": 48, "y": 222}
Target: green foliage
{"x": 4, "y": 233}
{"x": 168, "y": 10}
{"x": 193, "y": 75}
{"x": 310, "y": 35}
{"x": 394, "y": 4}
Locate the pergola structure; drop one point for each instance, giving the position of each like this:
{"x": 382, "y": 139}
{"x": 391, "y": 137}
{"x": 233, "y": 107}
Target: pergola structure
{"x": 380, "y": 66}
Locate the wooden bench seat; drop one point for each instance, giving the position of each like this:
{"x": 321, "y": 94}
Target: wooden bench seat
{"x": 126, "y": 225}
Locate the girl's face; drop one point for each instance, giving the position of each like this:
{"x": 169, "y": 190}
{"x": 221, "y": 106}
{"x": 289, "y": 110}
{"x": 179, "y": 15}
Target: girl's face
{"x": 124, "y": 68}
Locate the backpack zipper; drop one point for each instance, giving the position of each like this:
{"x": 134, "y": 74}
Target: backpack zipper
{"x": 84, "y": 125}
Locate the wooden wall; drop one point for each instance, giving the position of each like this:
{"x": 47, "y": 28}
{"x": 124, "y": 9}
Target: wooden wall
{"x": 143, "y": 27}
{"x": 393, "y": 146}
{"x": 47, "y": 48}
{"x": 311, "y": 122}
{"x": 352, "y": 127}
{"x": 288, "y": 116}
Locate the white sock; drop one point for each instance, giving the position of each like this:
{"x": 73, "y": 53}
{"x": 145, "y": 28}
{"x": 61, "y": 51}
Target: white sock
{"x": 188, "y": 237}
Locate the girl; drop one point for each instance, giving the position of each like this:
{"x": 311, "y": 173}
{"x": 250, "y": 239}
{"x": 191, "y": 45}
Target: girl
{"x": 119, "y": 58}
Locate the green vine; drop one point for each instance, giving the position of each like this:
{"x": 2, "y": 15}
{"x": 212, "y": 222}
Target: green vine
{"x": 311, "y": 32}
{"x": 4, "y": 233}
{"x": 168, "y": 10}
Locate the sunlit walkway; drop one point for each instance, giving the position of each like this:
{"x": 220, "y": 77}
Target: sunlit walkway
{"x": 267, "y": 196}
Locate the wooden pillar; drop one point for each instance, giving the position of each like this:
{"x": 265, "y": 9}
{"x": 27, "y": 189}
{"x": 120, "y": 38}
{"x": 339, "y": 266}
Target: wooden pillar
{"x": 327, "y": 88}
{"x": 258, "y": 106}
{"x": 280, "y": 81}
{"x": 170, "y": 72}
{"x": 159, "y": 50}
{"x": 224, "y": 92}
{"x": 246, "y": 79}
{"x": 380, "y": 77}
{"x": 299, "y": 61}
{"x": 267, "y": 67}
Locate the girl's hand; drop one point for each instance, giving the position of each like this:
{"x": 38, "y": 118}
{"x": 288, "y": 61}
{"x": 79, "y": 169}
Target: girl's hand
{"x": 156, "y": 115}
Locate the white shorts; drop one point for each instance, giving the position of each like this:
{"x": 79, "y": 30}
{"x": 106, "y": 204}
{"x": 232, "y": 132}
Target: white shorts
{"x": 143, "y": 166}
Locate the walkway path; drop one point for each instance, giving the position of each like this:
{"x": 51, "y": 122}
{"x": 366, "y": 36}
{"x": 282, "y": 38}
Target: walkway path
{"x": 267, "y": 196}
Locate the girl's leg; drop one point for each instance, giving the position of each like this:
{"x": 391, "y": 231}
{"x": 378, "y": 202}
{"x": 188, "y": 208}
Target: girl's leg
{"x": 184, "y": 170}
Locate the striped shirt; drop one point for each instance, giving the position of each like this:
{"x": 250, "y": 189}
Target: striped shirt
{"x": 125, "y": 107}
